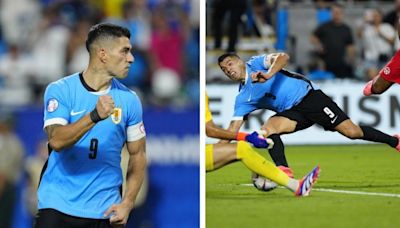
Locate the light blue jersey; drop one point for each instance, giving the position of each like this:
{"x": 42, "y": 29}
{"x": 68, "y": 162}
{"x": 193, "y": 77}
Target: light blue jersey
{"x": 84, "y": 180}
{"x": 279, "y": 93}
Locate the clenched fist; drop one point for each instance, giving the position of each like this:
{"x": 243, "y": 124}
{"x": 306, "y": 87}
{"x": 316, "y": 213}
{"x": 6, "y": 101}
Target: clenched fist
{"x": 105, "y": 106}
{"x": 259, "y": 77}
{"x": 119, "y": 214}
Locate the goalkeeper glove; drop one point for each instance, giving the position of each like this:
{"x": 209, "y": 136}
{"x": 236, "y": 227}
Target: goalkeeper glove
{"x": 255, "y": 139}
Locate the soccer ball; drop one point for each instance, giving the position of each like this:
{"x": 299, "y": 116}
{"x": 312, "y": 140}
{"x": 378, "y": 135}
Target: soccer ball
{"x": 262, "y": 183}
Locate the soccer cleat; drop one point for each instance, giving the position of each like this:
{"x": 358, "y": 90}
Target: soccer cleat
{"x": 398, "y": 144}
{"x": 307, "y": 182}
{"x": 368, "y": 89}
{"x": 286, "y": 170}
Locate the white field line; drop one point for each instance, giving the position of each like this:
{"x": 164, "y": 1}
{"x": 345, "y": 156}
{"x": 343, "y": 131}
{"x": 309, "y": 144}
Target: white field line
{"x": 348, "y": 192}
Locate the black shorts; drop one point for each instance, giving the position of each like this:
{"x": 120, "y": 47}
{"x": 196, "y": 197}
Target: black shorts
{"x": 316, "y": 107}
{"x": 51, "y": 218}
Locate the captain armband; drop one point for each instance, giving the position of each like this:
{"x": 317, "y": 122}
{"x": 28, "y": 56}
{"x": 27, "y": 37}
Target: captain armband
{"x": 135, "y": 132}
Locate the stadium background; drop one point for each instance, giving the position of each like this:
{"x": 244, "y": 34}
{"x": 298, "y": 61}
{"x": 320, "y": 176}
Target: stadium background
{"x": 351, "y": 174}
{"x": 43, "y": 40}
{"x": 287, "y": 26}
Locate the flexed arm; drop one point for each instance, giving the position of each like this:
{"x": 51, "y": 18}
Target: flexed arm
{"x": 64, "y": 136}
{"x": 276, "y": 62}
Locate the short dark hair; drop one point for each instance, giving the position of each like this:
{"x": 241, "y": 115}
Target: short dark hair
{"x": 226, "y": 55}
{"x": 105, "y": 30}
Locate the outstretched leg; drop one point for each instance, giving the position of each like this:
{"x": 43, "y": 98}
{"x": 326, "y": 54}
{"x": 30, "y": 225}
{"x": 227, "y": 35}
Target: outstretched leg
{"x": 221, "y": 154}
{"x": 353, "y": 131}
{"x": 258, "y": 164}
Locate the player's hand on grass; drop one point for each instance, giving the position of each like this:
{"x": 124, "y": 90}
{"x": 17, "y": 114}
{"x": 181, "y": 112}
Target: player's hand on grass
{"x": 119, "y": 214}
{"x": 259, "y": 141}
{"x": 105, "y": 106}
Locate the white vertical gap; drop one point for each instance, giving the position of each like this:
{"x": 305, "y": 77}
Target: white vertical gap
{"x": 202, "y": 40}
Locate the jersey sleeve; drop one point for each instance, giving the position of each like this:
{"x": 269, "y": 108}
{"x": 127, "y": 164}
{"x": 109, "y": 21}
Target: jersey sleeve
{"x": 241, "y": 110}
{"x": 268, "y": 61}
{"x": 257, "y": 63}
{"x": 135, "y": 127}
{"x": 208, "y": 113}
{"x": 56, "y": 108}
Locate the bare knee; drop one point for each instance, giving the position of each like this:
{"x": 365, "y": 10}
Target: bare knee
{"x": 269, "y": 130}
{"x": 272, "y": 126}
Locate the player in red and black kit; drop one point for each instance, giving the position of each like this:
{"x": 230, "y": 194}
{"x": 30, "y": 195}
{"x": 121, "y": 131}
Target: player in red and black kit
{"x": 387, "y": 76}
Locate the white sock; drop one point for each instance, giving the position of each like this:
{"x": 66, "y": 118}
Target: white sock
{"x": 293, "y": 184}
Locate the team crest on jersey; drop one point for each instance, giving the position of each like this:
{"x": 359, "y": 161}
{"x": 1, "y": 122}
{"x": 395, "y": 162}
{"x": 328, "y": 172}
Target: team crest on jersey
{"x": 386, "y": 70}
{"x": 117, "y": 115}
{"x": 52, "y": 105}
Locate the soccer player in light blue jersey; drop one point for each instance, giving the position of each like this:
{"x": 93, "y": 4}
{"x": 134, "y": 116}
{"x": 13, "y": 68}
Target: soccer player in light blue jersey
{"x": 298, "y": 103}
{"x": 89, "y": 117}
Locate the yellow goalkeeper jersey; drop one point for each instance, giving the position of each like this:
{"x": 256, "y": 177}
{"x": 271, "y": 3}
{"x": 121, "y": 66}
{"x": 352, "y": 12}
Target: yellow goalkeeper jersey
{"x": 208, "y": 113}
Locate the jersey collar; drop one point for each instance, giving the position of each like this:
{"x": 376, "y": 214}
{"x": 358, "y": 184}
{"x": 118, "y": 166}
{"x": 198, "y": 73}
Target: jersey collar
{"x": 246, "y": 77}
{"x": 90, "y": 89}
{"x": 102, "y": 92}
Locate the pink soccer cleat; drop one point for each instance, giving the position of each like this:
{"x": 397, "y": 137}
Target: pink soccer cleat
{"x": 368, "y": 89}
{"x": 307, "y": 182}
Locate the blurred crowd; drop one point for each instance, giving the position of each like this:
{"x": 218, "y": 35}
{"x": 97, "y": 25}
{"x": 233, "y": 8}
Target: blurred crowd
{"x": 44, "y": 40}
{"x": 341, "y": 47}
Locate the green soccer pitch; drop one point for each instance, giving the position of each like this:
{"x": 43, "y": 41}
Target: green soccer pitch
{"x": 366, "y": 178}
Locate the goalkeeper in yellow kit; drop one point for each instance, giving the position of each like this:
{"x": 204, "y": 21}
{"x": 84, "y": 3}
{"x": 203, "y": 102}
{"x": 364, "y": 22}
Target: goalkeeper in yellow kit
{"x": 221, "y": 154}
